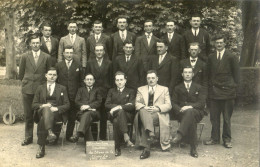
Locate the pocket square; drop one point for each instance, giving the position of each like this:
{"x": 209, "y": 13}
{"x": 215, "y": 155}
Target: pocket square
{"x": 127, "y": 95}
{"x": 200, "y": 71}
{"x": 61, "y": 94}
{"x": 197, "y": 93}
{"x": 77, "y": 69}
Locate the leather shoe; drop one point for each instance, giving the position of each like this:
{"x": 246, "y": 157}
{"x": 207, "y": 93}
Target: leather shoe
{"x": 211, "y": 142}
{"x": 228, "y": 145}
{"x": 145, "y": 154}
{"x": 129, "y": 144}
{"x": 194, "y": 153}
{"x": 177, "y": 138}
{"x": 117, "y": 152}
{"x": 51, "y": 137}
{"x": 151, "y": 139}
{"x": 40, "y": 152}
{"x": 26, "y": 142}
{"x": 73, "y": 139}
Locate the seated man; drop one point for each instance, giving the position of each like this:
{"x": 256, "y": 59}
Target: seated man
{"x": 153, "y": 105}
{"x": 50, "y": 104}
{"x": 188, "y": 102}
{"x": 120, "y": 103}
{"x": 88, "y": 101}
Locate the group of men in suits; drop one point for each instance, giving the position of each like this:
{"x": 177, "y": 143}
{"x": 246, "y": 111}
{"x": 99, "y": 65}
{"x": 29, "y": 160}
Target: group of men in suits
{"x": 85, "y": 73}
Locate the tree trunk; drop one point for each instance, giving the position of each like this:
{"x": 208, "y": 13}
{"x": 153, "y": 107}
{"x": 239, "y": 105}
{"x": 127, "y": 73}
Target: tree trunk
{"x": 11, "y": 67}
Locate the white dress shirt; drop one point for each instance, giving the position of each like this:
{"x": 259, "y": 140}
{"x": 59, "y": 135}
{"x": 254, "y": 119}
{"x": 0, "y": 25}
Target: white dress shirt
{"x": 221, "y": 54}
{"x": 52, "y": 87}
{"x": 161, "y": 57}
{"x": 197, "y": 31}
{"x": 170, "y": 35}
{"x": 193, "y": 63}
{"x": 121, "y": 34}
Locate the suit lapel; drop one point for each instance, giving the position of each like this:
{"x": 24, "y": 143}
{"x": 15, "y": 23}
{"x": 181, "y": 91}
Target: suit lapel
{"x": 145, "y": 95}
{"x": 152, "y": 42}
{"x": 197, "y": 67}
{"x": 44, "y": 45}
{"x": 41, "y": 57}
{"x": 192, "y": 88}
{"x": 58, "y": 92}
{"x": 157, "y": 93}
{"x": 165, "y": 60}
{"x": 69, "y": 41}
{"x": 31, "y": 58}
{"x": 130, "y": 63}
{"x": 44, "y": 93}
{"x": 145, "y": 42}
{"x": 92, "y": 40}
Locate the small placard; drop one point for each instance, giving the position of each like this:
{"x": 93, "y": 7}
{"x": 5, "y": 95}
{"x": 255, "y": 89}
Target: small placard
{"x": 100, "y": 150}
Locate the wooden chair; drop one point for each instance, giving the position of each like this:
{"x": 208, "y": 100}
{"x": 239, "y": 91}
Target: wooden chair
{"x": 97, "y": 123}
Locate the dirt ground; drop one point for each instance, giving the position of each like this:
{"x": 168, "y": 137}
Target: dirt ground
{"x": 245, "y": 151}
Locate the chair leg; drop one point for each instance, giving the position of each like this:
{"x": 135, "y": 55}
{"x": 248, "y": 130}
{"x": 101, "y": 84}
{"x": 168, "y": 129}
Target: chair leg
{"x": 98, "y": 130}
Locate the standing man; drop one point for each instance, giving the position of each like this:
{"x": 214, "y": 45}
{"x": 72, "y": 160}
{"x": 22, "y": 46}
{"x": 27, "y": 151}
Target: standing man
{"x": 70, "y": 75}
{"x": 197, "y": 34}
{"x": 120, "y": 103}
{"x": 223, "y": 68}
{"x": 153, "y": 105}
{"x": 88, "y": 101}
{"x": 119, "y": 37}
{"x": 102, "y": 71}
{"x": 176, "y": 45}
{"x": 98, "y": 37}
{"x": 199, "y": 67}
{"x": 131, "y": 66}
{"x": 33, "y": 66}
{"x": 188, "y": 101}
{"x": 50, "y": 104}
{"x": 167, "y": 66}
{"x": 145, "y": 45}
{"x": 78, "y": 43}
{"x": 50, "y": 44}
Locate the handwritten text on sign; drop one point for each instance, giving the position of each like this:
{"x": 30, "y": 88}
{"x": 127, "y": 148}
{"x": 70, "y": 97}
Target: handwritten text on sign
{"x": 100, "y": 150}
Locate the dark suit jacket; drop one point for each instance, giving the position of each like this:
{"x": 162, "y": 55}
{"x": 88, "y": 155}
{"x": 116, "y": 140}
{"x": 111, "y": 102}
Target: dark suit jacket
{"x": 118, "y": 43}
{"x": 223, "y": 76}
{"x": 33, "y": 75}
{"x": 92, "y": 98}
{"x": 114, "y": 99}
{"x": 79, "y": 45}
{"x": 141, "y": 46}
{"x": 202, "y": 38}
{"x": 54, "y": 49}
{"x": 167, "y": 71}
{"x": 91, "y": 43}
{"x": 200, "y": 72}
{"x": 181, "y": 97}
{"x": 71, "y": 78}
{"x": 103, "y": 74}
{"x": 176, "y": 47}
{"x": 133, "y": 69}
{"x": 62, "y": 100}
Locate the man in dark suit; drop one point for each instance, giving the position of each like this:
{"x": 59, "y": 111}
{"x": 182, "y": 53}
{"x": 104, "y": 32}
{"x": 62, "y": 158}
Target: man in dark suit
{"x": 120, "y": 103}
{"x": 120, "y": 36}
{"x": 176, "y": 45}
{"x": 70, "y": 75}
{"x": 197, "y": 34}
{"x": 78, "y": 43}
{"x": 50, "y": 44}
{"x": 88, "y": 101}
{"x": 199, "y": 67}
{"x": 33, "y": 66}
{"x": 51, "y": 104}
{"x": 98, "y": 37}
{"x": 223, "y": 68}
{"x": 188, "y": 101}
{"x": 167, "y": 66}
{"x": 145, "y": 45}
{"x": 131, "y": 66}
{"x": 103, "y": 72}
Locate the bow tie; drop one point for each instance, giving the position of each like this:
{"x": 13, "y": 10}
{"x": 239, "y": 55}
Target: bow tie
{"x": 193, "y": 61}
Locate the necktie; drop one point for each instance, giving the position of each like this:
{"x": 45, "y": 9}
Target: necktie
{"x": 119, "y": 91}
{"x": 72, "y": 39}
{"x": 195, "y": 33}
{"x": 123, "y": 36}
{"x": 188, "y": 87}
{"x": 36, "y": 57}
{"x": 48, "y": 44}
{"x": 68, "y": 64}
{"x": 99, "y": 63}
{"x": 219, "y": 56}
{"x": 89, "y": 89}
{"x": 170, "y": 37}
{"x": 151, "y": 92}
{"x": 148, "y": 39}
{"x": 49, "y": 90}
{"x": 96, "y": 38}
{"x": 127, "y": 58}
{"x": 160, "y": 59}
{"x": 193, "y": 60}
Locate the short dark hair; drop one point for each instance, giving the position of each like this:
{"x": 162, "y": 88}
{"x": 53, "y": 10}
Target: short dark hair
{"x": 163, "y": 40}
{"x": 72, "y": 22}
{"x": 68, "y": 47}
{"x": 89, "y": 74}
{"x": 148, "y": 20}
{"x": 219, "y": 36}
{"x": 152, "y": 71}
{"x": 128, "y": 42}
{"x": 186, "y": 67}
{"x": 120, "y": 73}
{"x": 34, "y": 36}
{"x": 195, "y": 15}
{"x": 51, "y": 69}
{"x": 170, "y": 20}
{"x": 100, "y": 44}
{"x": 45, "y": 24}
{"x": 97, "y": 22}
{"x": 121, "y": 17}
{"x": 194, "y": 44}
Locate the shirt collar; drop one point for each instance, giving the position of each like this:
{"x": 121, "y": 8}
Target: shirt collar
{"x": 74, "y": 35}
{"x": 99, "y": 59}
{"x": 185, "y": 83}
{"x": 163, "y": 55}
{"x": 122, "y": 32}
{"x": 191, "y": 58}
{"x": 197, "y": 31}
{"x": 154, "y": 87}
{"x": 38, "y": 53}
{"x": 129, "y": 56}
{"x": 52, "y": 84}
{"x": 45, "y": 39}
{"x": 121, "y": 89}
{"x": 98, "y": 35}
{"x": 221, "y": 52}
{"x": 67, "y": 61}
{"x": 151, "y": 34}
{"x": 170, "y": 33}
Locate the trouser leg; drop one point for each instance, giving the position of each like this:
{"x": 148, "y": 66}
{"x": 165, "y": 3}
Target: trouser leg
{"x": 227, "y": 113}
{"x": 28, "y": 114}
{"x": 215, "y": 111}
{"x": 71, "y": 119}
{"x": 103, "y": 121}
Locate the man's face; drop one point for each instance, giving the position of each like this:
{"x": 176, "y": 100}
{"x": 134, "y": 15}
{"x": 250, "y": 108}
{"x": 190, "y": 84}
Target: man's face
{"x": 89, "y": 80}
{"x": 68, "y": 54}
{"x": 194, "y": 51}
{"x": 35, "y": 44}
{"x": 170, "y": 27}
{"x": 128, "y": 48}
{"x": 120, "y": 81}
{"x": 195, "y": 22}
{"x": 121, "y": 24}
{"x": 51, "y": 75}
{"x": 220, "y": 44}
{"x": 99, "y": 51}
{"x": 97, "y": 28}
{"x": 187, "y": 74}
{"x": 72, "y": 28}
{"x": 46, "y": 32}
{"x": 152, "y": 79}
{"x": 148, "y": 27}
{"x": 161, "y": 48}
